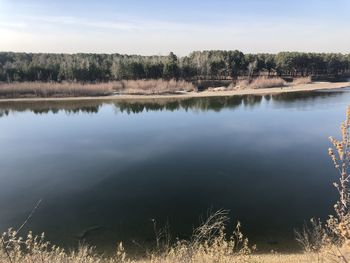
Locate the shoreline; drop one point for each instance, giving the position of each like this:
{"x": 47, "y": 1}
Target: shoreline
{"x": 267, "y": 91}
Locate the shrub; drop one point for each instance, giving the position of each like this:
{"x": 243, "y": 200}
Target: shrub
{"x": 332, "y": 240}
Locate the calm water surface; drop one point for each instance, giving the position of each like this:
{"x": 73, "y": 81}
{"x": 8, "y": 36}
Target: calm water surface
{"x": 117, "y": 165}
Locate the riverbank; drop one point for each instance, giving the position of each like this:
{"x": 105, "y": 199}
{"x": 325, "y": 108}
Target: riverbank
{"x": 207, "y": 93}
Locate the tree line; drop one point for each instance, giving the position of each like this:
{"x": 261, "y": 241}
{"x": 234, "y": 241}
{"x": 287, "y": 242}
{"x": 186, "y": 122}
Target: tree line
{"x": 197, "y": 65}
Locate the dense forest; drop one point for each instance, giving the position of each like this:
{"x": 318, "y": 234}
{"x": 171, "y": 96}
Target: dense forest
{"x": 198, "y": 65}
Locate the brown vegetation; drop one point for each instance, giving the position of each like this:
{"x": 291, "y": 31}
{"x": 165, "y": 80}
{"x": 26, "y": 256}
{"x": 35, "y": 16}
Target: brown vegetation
{"x": 257, "y": 83}
{"x": 148, "y": 87}
{"x": 54, "y": 89}
{"x": 331, "y": 240}
{"x": 208, "y": 244}
{"x": 302, "y": 80}
{"x": 76, "y": 89}
{"x": 265, "y": 82}
{"x": 243, "y": 83}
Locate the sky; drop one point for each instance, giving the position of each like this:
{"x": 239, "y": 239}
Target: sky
{"x": 156, "y": 27}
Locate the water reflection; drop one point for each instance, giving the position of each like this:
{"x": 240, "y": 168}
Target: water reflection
{"x": 215, "y": 104}
{"x": 44, "y": 107}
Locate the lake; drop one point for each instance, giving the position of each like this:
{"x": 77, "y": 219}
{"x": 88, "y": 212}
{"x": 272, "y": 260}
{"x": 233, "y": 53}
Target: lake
{"x": 113, "y": 166}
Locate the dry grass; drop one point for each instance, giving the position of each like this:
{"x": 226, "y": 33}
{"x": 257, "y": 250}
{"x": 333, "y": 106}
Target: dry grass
{"x": 46, "y": 89}
{"x": 71, "y": 89}
{"x": 218, "y": 249}
{"x": 302, "y": 80}
{"x": 242, "y": 84}
{"x": 150, "y": 87}
{"x": 216, "y": 89}
{"x": 265, "y": 82}
{"x": 209, "y": 244}
{"x": 331, "y": 240}
{"x": 258, "y": 83}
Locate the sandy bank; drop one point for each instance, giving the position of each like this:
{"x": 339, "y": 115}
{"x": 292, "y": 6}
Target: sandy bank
{"x": 286, "y": 89}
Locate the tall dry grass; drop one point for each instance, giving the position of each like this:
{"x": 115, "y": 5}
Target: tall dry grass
{"x": 72, "y": 89}
{"x": 217, "y": 249}
{"x": 209, "y": 243}
{"x": 243, "y": 83}
{"x": 261, "y": 82}
{"x": 265, "y": 82}
{"x": 47, "y": 89}
{"x": 148, "y": 87}
{"x": 302, "y": 80}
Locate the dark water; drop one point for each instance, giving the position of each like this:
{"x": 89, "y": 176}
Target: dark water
{"x": 117, "y": 165}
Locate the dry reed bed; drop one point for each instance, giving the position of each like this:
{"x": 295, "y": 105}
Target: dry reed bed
{"x": 150, "y": 87}
{"x": 257, "y": 83}
{"x": 72, "y": 89}
{"x": 302, "y": 80}
{"x": 47, "y": 89}
{"x": 263, "y": 82}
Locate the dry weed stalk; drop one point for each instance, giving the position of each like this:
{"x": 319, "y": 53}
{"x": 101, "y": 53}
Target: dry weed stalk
{"x": 341, "y": 159}
{"x": 314, "y": 236}
{"x": 209, "y": 244}
{"x": 332, "y": 240}
{"x": 340, "y": 224}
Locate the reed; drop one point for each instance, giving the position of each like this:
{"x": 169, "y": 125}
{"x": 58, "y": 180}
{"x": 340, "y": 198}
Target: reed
{"x": 262, "y": 82}
{"x": 54, "y": 89}
{"x": 150, "y": 87}
{"x": 265, "y": 82}
{"x": 77, "y": 89}
{"x": 302, "y": 80}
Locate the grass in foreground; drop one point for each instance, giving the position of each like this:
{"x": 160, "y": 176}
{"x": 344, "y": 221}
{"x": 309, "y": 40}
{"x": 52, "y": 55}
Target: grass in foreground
{"x": 208, "y": 245}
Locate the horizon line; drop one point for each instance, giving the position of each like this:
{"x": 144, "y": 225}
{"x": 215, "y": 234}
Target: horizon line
{"x": 164, "y": 55}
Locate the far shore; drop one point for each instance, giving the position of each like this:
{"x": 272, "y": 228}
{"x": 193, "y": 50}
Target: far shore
{"x": 219, "y": 93}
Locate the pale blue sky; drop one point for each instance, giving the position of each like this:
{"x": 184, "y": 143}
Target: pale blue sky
{"x": 158, "y": 27}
